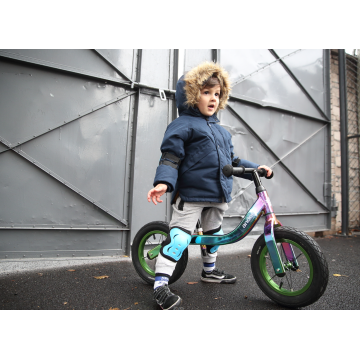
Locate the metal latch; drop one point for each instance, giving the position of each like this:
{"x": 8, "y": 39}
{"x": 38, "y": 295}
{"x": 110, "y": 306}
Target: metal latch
{"x": 162, "y": 95}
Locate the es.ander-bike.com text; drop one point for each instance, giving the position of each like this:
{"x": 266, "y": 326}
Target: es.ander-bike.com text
{"x": 274, "y": 343}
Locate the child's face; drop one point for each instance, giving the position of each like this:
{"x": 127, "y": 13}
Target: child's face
{"x": 209, "y": 100}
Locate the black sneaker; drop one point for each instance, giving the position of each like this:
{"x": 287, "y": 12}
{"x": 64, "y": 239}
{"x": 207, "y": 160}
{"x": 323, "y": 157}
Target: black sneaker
{"x": 166, "y": 299}
{"x": 217, "y": 276}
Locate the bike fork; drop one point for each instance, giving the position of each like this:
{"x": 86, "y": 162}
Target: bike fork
{"x": 270, "y": 222}
{"x": 271, "y": 244}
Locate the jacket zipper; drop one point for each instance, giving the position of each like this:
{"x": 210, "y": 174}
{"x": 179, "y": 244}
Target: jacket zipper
{"x": 218, "y": 152}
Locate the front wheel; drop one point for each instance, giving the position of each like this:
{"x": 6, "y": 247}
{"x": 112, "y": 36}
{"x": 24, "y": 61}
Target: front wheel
{"x": 305, "y": 278}
{"x": 148, "y": 240}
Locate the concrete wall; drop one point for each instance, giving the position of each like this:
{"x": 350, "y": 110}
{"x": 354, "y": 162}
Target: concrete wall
{"x": 335, "y": 140}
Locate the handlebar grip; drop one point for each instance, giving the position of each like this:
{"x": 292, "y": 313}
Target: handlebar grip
{"x": 229, "y": 170}
{"x": 261, "y": 172}
{"x": 269, "y": 177}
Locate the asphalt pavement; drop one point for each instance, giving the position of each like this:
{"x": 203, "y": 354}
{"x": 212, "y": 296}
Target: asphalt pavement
{"x": 70, "y": 286}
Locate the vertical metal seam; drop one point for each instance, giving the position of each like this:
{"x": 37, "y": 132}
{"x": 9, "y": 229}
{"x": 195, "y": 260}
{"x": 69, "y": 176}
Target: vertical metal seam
{"x": 343, "y": 145}
{"x": 133, "y": 149}
{"x": 175, "y": 79}
{"x": 176, "y": 62}
{"x": 168, "y": 119}
{"x": 129, "y": 159}
{"x": 327, "y": 102}
{"x": 214, "y": 55}
{"x": 327, "y": 82}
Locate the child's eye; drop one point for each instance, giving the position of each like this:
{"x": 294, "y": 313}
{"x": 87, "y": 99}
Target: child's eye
{"x": 206, "y": 92}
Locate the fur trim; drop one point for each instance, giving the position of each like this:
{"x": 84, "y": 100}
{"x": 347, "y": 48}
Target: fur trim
{"x": 197, "y": 76}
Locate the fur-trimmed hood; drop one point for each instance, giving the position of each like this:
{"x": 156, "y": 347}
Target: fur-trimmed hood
{"x": 196, "y": 77}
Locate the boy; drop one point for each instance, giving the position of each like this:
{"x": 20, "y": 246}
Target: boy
{"x": 194, "y": 150}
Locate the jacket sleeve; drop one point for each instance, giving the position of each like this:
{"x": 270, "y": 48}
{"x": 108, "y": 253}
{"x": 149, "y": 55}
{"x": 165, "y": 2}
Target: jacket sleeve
{"x": 173, "y": 152}
{"x": 236, "y": 161}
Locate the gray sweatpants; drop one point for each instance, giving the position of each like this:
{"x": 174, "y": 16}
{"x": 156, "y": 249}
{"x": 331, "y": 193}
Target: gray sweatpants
{"x": 185, "y": 216}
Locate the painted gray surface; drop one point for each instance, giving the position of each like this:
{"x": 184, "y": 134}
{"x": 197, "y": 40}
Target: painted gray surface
{"x": 79, "y": 145}
{"x": 60, "y": 243}
{"x": 152, "y": 122}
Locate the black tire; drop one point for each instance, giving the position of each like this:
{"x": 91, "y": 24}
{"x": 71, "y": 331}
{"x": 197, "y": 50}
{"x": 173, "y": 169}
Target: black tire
{"x": 300, "y": 286}
{"x": 148, "y": 237}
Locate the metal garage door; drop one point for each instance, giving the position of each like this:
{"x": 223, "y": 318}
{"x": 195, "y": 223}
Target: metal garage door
{"x": 80, "y": 132}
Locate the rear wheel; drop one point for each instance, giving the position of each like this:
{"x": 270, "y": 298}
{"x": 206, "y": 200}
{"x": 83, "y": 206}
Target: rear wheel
{"x": 144, "y": 251}
{"x": 305, "y": 279}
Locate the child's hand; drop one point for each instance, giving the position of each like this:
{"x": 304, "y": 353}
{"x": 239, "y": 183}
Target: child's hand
{"x": 268, "y": 170}
{"x": 155, "y": 193}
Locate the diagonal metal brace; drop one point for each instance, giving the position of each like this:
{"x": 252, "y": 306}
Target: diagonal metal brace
{"x": 263, "y": 68}
{"x": 20, "y": 152}
{"x": 24, "y": 155}
{"x": 61, "y": 67}
{"x": 80, "y": 115}
{"x": 278, "y": 159}
{"x": 113, "y": 66}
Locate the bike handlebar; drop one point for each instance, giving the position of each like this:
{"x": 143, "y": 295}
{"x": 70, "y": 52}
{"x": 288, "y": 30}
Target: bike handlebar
{"x": 229, "y": 170}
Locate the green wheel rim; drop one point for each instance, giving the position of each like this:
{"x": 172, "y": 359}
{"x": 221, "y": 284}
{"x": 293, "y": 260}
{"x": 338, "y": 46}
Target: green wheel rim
{"x": 269, "y": 279}
{"x": 141, "y": 254}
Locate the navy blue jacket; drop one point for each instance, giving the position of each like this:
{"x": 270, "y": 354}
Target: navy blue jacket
{"x": 204, "y": 148}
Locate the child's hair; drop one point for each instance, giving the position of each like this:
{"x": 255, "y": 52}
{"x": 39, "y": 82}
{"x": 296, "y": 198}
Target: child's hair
{"x": 207, "y": 74}
{"x": 211, "y": 82}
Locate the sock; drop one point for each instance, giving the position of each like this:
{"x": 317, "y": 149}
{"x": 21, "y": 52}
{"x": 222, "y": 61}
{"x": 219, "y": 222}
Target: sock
{"x": 209, "y": 267}
{"x": 163, "y": 270}
{"x": 209, "y": 262}
{"x": 210, "y": 258}
{"x": 160, "y": 281}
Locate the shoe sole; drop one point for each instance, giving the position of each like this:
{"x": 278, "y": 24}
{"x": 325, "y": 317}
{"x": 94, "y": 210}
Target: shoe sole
{"x": 219, "y": 281}
{"x": 175, "y": 305}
